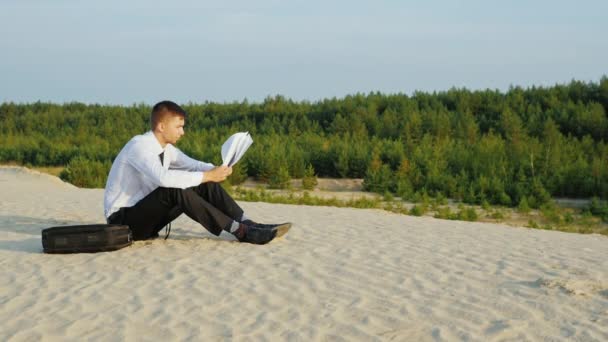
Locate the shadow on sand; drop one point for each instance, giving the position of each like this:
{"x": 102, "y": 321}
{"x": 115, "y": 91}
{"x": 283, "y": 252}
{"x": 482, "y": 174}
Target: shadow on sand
{"x": 30, "y": 229}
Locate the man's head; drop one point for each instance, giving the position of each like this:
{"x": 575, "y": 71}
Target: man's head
{"x": 167, "y": 122}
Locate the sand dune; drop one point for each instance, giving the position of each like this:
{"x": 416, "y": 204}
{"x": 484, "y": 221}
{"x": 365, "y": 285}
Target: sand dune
{"x": 339, "y": 275}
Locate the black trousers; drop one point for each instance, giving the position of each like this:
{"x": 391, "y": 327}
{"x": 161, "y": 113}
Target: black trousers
{"x": 207, "y": 203}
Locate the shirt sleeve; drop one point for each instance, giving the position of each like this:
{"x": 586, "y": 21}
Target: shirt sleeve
{"x": 180, "y": 161}
{"x": 148, "y": 163}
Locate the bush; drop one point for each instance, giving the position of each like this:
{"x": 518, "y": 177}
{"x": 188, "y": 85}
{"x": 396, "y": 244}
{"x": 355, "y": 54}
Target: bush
{"x": 387, "y": 197}
{"x": 539, "y": 194}
{"x": 279, "y": 179}
{"x": 463, "y": 214}
{"x": 550, "y": 212}
{"x": 418, "y": 210}
{"x": 405, "y": 190}
{"x": 497, "y": 215}
{"x": 467, "y": 214}
{"x": 310, "y": 179}
{"x": 568, "y": 218}
{"x": 532, "y": 224}
{"x": 86, "y": 173}
{"x": 379, "y": 177}
{"x": 599, "y": 208}
{"x": 444, "y": 213}
{"x": 485, "y": 205}
{"x": 504, "y": 199}
{"x": 439, "y": 199}
{"x": 523, "y": 206}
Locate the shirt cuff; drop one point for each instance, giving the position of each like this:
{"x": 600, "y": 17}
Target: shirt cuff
{"x": 201, "y": 176}
{"x": 202, "y": 166}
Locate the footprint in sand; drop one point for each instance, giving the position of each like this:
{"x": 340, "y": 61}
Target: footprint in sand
{"x": 577, "y": 287}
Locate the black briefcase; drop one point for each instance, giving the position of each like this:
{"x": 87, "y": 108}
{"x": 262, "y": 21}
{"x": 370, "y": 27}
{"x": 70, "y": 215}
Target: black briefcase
{"x": 88, "y": 238}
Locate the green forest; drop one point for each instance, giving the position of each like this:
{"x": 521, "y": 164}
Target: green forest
{"x": 521, "y": 145}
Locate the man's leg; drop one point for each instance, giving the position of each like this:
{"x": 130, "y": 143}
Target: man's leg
{"x": 173, "y": 214}
{"x": 145, "y": 217}
{"x": 218, "y": 197}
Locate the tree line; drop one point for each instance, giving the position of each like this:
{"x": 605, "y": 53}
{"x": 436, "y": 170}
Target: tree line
{"x": 521, "y": 145}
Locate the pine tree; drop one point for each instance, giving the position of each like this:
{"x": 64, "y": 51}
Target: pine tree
{"x": 310, "y": 179}
{"x": 280, "y": 179}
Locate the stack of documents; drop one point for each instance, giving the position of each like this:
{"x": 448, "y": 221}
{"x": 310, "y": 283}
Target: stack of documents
{"x": 234, "y": 148}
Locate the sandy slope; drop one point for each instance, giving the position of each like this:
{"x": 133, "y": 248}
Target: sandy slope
{"x": 340, "y": 274}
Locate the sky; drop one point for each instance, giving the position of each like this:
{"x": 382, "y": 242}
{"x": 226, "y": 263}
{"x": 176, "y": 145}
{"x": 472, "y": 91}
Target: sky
{"x": 143, "y": 51}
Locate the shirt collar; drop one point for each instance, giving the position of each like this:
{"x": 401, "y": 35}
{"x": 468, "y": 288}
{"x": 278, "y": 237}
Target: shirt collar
{"x": 154, "y": 144}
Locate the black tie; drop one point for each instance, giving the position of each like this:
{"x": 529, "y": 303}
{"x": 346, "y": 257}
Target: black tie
{"x": 168, "y": 226}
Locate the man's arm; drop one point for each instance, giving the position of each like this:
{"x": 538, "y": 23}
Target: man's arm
{"x": 148, "y": 163}
{"x": 211, "y": 173}
{"x": 217, "y": 174}
{"x": 180, "y": 161}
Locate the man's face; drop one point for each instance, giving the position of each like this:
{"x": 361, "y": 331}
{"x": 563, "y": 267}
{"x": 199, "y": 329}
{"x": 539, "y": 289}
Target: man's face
{"x": 173, "y": 128}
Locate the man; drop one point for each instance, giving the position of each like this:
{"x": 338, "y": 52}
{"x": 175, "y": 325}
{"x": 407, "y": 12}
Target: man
{"x": 151, "y": 183}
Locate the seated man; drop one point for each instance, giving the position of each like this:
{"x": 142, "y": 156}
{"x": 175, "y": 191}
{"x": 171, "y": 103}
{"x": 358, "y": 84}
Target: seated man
{"x": 152, "y": 182}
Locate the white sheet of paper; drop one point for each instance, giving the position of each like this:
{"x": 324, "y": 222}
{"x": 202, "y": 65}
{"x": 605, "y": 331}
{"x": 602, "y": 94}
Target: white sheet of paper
{"x": 234, "y": 148}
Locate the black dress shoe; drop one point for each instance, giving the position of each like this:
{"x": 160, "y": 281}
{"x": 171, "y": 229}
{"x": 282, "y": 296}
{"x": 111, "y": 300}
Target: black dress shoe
{"x": 249, "y": 222}
{"x": 281, "y": 228}
{"x": 254, "y": 234}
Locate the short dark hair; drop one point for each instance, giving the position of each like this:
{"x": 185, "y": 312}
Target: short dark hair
{"x": 163, "y": 109}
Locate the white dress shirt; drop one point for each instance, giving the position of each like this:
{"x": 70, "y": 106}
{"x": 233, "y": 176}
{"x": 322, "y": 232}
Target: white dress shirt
{"x": 137, "y": 171}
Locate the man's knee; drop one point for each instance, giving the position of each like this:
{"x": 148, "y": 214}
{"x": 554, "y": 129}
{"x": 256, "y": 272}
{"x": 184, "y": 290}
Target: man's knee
{"x": 207, "y": 185}
{"x": 175, "y": 195}
{"x": 207, "y": 188}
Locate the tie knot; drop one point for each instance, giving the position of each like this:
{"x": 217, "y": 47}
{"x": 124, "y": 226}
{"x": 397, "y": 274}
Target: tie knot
{"x": 162, "y": 157}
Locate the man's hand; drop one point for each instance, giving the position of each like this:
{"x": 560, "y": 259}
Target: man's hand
{"x": 217, "y": 174}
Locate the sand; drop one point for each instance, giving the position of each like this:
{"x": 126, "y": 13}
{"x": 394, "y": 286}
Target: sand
{"x": 340, "y": 274}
